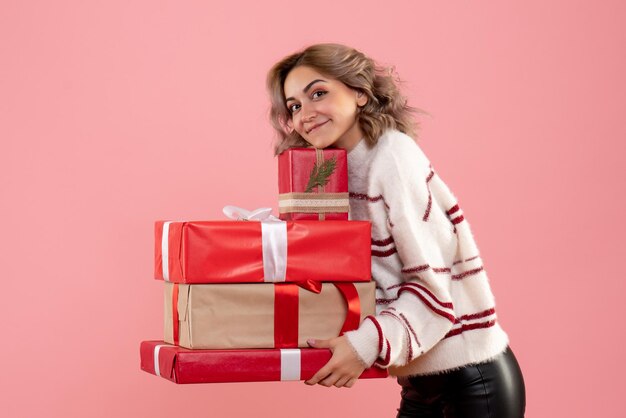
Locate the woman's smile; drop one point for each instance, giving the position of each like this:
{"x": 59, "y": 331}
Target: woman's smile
{"x": 316, "y": 126}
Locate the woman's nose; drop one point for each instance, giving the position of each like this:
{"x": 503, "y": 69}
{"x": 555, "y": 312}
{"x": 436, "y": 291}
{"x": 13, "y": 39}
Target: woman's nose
{"x": 308, "y": 113}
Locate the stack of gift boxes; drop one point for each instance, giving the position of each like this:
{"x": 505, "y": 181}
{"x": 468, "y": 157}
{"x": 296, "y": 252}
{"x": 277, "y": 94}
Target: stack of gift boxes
{"x": 243, "y": 296}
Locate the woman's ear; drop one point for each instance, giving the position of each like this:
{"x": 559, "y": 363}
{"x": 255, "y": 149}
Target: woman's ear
{"x": 287, "y": 126}
{"x": 361, "y": 99}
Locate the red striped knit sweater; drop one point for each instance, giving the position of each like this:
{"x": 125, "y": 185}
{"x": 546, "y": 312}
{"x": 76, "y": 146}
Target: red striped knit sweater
{"x": 435, "y": 310}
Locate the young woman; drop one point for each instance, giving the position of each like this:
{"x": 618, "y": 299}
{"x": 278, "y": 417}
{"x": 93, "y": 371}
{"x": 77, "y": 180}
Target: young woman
{"x": 436, "y": 326}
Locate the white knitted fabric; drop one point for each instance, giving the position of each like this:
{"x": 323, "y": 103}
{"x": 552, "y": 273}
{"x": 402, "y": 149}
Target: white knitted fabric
{"x": 435, "y": 310}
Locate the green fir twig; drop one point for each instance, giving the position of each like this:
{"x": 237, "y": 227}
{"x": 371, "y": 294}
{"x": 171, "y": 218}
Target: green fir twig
{"x": 321, "y": 174}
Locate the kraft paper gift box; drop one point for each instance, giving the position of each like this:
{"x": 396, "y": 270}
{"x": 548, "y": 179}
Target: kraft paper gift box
{"x": 248, "y": 251}
{"x": 181, "y": 365}
{"x": 313, "y": 184}
{"x": 262, "y": 315}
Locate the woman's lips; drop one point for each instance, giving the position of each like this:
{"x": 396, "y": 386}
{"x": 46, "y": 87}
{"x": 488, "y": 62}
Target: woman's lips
{"x": 316, "y": 126}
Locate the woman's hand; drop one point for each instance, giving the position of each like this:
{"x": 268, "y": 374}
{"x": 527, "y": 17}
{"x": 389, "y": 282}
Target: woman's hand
{"x": 344, "y": 367}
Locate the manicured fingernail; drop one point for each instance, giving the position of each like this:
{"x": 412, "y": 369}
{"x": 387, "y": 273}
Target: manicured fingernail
{"x": 310, "y": 342}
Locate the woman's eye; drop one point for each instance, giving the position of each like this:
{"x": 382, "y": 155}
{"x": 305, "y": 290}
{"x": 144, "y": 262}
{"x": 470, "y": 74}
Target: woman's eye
{"x": 294, "y": 107}
{"x": 318, "y": 94}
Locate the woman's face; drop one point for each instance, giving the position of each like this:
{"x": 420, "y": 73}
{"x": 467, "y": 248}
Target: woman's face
{"x": 323, "y": 110}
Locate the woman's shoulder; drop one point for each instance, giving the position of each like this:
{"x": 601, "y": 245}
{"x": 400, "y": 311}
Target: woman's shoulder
{"x": 399, "y": 149}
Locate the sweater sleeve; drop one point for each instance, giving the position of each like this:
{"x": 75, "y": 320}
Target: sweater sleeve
{"x": 416, "y": 203}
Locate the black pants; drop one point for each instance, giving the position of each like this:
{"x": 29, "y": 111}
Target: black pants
{"x": 494, "y": 389}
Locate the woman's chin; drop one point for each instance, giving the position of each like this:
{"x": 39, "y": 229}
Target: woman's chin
{"x": 319, "y": 142}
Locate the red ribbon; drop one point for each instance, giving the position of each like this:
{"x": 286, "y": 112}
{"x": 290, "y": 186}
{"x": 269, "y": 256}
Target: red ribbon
{"x": 176, "y": 324}
{"x": 285, "y": 315}
{"x": 311, "y": 285}
{"x": 286, "y": 311}
{"x": 351, "y": 296}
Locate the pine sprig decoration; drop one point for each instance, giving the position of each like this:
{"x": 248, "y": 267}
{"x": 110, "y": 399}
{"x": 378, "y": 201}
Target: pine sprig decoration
{"x": 321, "y": 174}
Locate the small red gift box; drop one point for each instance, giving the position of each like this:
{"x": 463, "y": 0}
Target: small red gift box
{"x": 313, "y": 184}
{"x": 249, "y": 251}
{"x": 181, "y": 365}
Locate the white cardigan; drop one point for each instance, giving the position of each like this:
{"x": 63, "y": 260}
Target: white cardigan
{"x": 435, "y": 309}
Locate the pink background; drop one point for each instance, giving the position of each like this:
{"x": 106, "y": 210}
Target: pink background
{"x": 115, "y": 114}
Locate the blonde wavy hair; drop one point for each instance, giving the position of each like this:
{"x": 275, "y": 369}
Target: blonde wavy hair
{"x": 386, "y": 107}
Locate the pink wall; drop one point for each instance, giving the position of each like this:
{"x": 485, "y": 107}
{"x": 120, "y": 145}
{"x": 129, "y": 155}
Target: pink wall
{"x": 114, "y": 114}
